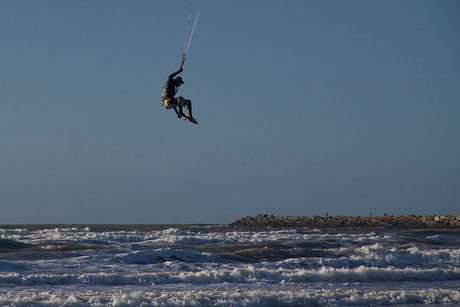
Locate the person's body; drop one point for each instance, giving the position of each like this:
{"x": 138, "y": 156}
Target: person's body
{"x": 170, "y": 102}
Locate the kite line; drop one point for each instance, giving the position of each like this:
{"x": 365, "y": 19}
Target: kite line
{"x": 190, "y": 30}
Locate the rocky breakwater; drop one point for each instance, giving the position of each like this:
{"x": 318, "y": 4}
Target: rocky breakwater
{"x": 340, "y": 221}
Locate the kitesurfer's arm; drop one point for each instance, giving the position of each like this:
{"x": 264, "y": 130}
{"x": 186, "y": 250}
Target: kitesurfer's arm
{"x": 171, "y": 76}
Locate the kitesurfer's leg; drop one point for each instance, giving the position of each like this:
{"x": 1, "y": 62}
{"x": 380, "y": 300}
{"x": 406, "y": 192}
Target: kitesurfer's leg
{"x": 181, "y": 113}
{"x": 188, "y": 104}
{"x": 180, "y": 102}
{"x": 178, "y": 112}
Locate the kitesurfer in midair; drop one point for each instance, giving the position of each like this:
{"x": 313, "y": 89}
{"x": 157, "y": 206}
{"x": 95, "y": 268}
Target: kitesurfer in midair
{"x": 170, "y": 90}
{"x": 172, "y": 85}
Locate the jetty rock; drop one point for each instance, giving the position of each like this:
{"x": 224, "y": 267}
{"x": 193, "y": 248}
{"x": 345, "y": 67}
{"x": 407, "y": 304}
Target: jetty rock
{"x": 340, "y": 221}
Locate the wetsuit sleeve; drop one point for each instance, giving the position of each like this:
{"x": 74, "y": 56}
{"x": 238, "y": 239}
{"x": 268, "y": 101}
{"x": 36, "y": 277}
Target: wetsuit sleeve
{"x": 175, "y": 74}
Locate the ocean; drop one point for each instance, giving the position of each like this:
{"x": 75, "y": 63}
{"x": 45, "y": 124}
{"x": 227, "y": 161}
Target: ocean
{"x": 219, "y": 265}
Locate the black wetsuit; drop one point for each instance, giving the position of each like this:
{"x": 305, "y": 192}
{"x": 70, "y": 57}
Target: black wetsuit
{"x": 169, "y": 91}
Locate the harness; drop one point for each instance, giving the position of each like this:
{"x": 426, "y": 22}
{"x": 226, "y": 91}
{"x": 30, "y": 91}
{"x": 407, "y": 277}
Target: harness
{"x": 165, "y": 103}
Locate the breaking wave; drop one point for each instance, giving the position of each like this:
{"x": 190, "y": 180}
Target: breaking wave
{"x": 223, "y": 297}
{"x": 164, "y": 265}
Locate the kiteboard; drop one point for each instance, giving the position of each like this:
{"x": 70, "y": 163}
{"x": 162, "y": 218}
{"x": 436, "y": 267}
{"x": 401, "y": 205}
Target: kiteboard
{"x": 193, "y": 121}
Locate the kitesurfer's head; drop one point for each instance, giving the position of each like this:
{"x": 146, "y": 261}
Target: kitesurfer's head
{"x": 179, "y": 81}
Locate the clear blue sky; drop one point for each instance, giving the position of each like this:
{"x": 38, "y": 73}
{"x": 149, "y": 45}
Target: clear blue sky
{"x": 306, "y": 108}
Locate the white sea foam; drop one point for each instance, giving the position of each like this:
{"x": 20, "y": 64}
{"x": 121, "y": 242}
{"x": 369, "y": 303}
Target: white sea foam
{"x": 171, "y": 235}
{"x": 174, "y": 235}
{"x": 224, "y": 297}
{"x": 217, "y": 274}
{"x": 412, "y": 255}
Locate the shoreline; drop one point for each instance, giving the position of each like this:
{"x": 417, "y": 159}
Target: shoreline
{"x": 340, "y": 221}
